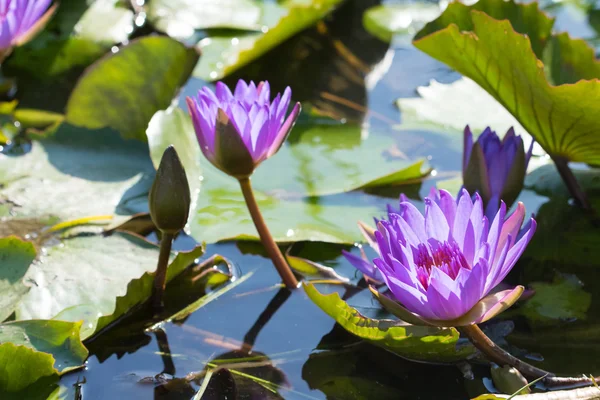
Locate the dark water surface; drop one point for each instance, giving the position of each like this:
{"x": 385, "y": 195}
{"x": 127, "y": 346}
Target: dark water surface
{"x": 291, "y": 345}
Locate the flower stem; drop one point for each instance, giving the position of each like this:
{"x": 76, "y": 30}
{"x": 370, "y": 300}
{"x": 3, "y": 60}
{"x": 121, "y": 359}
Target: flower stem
{"x": 160, "y": 279}
{"x": 501, "y": 357}
{"x": 568, "y": 177}
{"x": 281, "y": 265}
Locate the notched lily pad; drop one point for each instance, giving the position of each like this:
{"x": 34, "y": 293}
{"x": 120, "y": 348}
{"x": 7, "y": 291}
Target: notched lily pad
{"x": 414, "y": 342}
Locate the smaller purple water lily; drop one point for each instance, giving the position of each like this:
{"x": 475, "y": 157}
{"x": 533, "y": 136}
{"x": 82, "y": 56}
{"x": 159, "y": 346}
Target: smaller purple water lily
{"x": 20, "y": 20}
{"x": 495, "y": 168}
{"x": 441, "y": 267}
{"x": 237, "y": 131}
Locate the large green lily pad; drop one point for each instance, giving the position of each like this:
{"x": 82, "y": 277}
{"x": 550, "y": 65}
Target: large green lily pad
{"x": 125, "y": 89}
{"x": 16, "y": 256}
{"x": 414, "y": 342}
{"x": 77, "y": 173}
{"x": 299, "y": 200}
{"x": 58, "y": 338}
{"x": 223, "y": 54}
{"x": 94, "y": 278}
{"x": 486, "y": 43}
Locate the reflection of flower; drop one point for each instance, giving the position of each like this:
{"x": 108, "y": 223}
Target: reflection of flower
{"x": 495, "y": 168}
{"x": 20, "y": 20}
{"x": 238, "y": 131}
{"x": 442, "y": 266}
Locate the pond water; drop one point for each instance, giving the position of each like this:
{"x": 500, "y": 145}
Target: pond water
{"x": 293, "y": 349}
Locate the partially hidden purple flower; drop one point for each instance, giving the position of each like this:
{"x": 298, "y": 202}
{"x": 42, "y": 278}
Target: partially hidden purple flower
{"x": 441, "y": 267}
{"x": 20, "y": 20}
{"x": 237, "y": 131}
{"x": 495, "y": 168}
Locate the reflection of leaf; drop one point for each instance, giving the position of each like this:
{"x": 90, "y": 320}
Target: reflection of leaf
{"x": 415, "y": 342}
{"x": 124, "y": 90}
{"x": 222, "y": 55}
{"x": 491, "y": 50}
{"x": 15, "y": 257}
{"x": 76, "y": 173}
{"x": 95, "y": 278}
{"x": 320, "y": 160}
{"x": 180, "y": 18}
{"x": 58, "y": 338}
{"x": 562, "y": 299}
{"x": 385, "y": 20}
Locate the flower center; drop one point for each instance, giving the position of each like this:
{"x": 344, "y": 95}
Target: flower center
{"x": 445, "y": 256}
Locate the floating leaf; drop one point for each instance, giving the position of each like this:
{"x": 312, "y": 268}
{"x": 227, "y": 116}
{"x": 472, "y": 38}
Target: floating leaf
{"x": 180, "y": 18}
{"x": 385, "y": 20}
{"x": 58, "y": 338}
{"x": 124, "y": 90}
{"x": 221, "y": 55}
{"x": 318, "y": 160}
{"x": 563, "y": 299}
{"x": 15, "y": 257}
{"x": 77, "y": 173}
{"x": 105, "y": 22}
{"x": 21, "y": 367}
{"x": 414, "y": 342}
{"x": 561, "y": 118}
{"x": 97, "y": 278}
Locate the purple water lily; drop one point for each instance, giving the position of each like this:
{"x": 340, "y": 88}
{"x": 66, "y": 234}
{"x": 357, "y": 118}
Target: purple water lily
{"x": 20, "y": 20}
{"x": 442, "y": 266}
{"x": 239, "y": 130}
{"x": 495, "y": 168}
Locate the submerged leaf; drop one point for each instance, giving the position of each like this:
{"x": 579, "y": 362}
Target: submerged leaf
{"x": 414, "y": 342}
{"x": 561, "y": 118}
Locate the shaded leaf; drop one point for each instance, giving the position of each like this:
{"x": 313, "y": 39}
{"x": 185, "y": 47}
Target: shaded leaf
{"x": 385, "y": 20}
{"x": 16, "y": 256}
{"x": 77, "y": 173}
{"x": 95, "y": 278}
{"x": 32, "y": 367}
{"x": 414, "y": 342}
{"x": 125, "y": 89}
{"x": 58, "y": 338}
{"x": 469, "y": 39}
{"x": 221, "y": 55}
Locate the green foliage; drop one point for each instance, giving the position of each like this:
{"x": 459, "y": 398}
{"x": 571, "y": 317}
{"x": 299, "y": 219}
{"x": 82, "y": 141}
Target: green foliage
{"x": 125, "y": 89}
{"x": 414, "y": 342}
{"x": 385, "y": 20}
{"x": 32, "y": 367}
{"x": 561, "y": 118}
{"x": 319, "y": 162}
{"x": 223, "y": 54}
{"x": 16, "y": 256}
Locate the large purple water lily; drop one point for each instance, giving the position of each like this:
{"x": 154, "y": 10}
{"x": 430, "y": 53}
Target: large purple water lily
{"x": 239, "y": 130}
{"x": 495, "y": 168}
{"x": 20, "y": 19}
{"x": 442, "y": 266}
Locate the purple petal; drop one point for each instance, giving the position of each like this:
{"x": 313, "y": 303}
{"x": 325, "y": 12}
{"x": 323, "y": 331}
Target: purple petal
{"x": 436, "y": 224}
{"x": 467, "y": 146}
{"x": 363, "y": 266}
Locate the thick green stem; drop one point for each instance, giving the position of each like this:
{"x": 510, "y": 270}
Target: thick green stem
{"x": 281, "y": 265}
{"x": 160, "y": 279}
{"x": 501, "y": 357}
{"x": 568, "y": 177}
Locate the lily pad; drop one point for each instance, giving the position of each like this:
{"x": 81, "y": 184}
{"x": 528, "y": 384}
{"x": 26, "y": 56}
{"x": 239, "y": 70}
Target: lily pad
{"x": 556, "y": 302}
{"x": 94, "y": 278}
{"x": 125, "y": 89}
{"x": 32, "y": 366}
{"x": 414, "y": 342}
{"x": 58, "y": 338}
{"x": 16, "y": 256}
{"x": 180, "y": 18}
{"x": 76, "y": 173}
{"x": 223, "y": 54}
{"x": 559, "y": 113}
{"x": 298, "y": 201}
{"x": 385, "y": 20}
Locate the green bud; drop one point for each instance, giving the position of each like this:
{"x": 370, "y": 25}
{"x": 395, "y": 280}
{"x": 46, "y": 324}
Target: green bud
{"x": 169, "y": 198}
{"x": 509, "y": 380}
